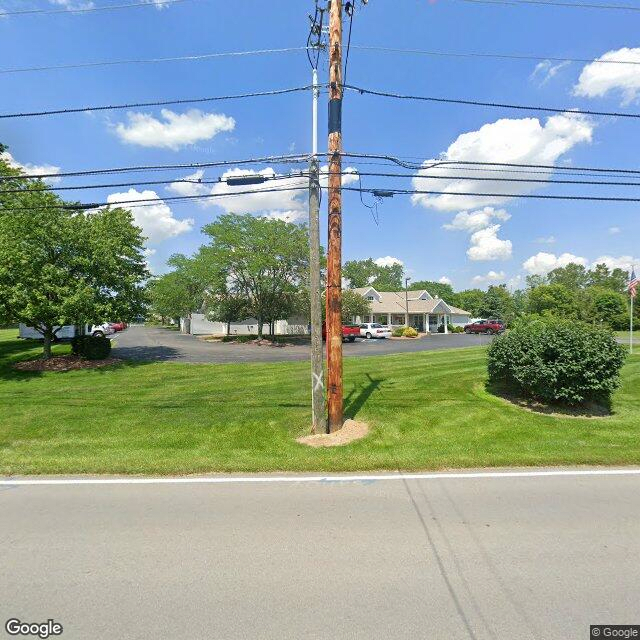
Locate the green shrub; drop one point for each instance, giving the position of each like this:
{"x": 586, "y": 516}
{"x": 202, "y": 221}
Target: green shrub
{"x": 455, "y": 329}
{"x": 441, "y": 328}
{"x": 398, "y": 332}
{"x": 91, "y": 348}
{"x": 410, "y": 332}
{"x": 557, "y": 360}
{"x": 242, "y": 339}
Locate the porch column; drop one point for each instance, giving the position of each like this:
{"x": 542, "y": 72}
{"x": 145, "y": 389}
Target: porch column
{"x": 446, "y": 323}
{"x": 426, "y": 323}
{"x": 388, "y": 319}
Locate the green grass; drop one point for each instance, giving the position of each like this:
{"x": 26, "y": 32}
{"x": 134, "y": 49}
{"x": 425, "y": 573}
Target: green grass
{"x": 428, "y": 411}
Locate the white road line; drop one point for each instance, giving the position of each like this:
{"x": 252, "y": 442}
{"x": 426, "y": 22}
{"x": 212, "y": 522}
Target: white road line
{"x": 327, "y": 478}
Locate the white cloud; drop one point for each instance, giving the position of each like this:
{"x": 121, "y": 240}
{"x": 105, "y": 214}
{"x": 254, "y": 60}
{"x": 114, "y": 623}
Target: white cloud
{"x": 388, "y": 261}
{"x": 72, "y": 5}
{"x": 156, "y": 220}
{"x": 547, "y": 70}
{"x": 190, "y": 188}
{"x": 492, "y": 276}
{"x": 614, "y": 231}
{"x": 622, "y": 262}
{"x": 485, "y": 245}
{"x": 476, "y": 220}
{"x": 546, "y": 240}
{"x": 542, "y": 263}
{"x": 597, "y": 79}
{"x": 291, "y": 217}
{"x": 445, "y": 280}
{"x": 175, "y": 130}
{"x": 525, "y": 141}
{"x": 31, "y": 169}
{"x": 289, "y": 204}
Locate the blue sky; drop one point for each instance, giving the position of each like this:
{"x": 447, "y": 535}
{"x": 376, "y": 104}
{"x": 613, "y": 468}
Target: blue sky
{"x": 504, "y": 243}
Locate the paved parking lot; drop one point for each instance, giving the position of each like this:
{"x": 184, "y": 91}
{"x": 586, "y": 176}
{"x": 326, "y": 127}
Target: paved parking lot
{"x": 155, "y": 343}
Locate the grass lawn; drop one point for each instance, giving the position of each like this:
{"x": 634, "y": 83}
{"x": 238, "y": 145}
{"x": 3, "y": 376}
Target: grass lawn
{"x": 428, "y": 411}
{"x": 625, "y": 335}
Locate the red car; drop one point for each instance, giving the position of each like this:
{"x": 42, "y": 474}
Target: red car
{"x": 349, "y": 332}
{"x": 118, "y": 326}
{"x": 489, "y": 327}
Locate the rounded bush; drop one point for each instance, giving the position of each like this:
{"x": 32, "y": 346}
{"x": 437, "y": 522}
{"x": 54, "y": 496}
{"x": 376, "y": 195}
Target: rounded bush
{"x": 410, "y": 332}
{"x": 398, "y": 332}
{"x": 556, "y": 360}
{"x": 91, "y": 348}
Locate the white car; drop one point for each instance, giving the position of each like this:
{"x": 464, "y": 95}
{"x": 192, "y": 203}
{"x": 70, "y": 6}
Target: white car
{"x": 101, "y": 330}
{"x": 374, "y": 330}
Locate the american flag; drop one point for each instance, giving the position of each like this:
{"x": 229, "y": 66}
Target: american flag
{"x": 633, "y": 284}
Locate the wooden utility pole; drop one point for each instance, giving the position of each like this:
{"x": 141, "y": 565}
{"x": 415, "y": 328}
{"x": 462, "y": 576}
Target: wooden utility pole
{"x": 334, "y": 253}
{"x": 319, "y": 418}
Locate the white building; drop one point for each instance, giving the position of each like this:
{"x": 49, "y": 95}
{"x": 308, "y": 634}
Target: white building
{"x": 200, "y": 326}
{"x": 425, "y": 313}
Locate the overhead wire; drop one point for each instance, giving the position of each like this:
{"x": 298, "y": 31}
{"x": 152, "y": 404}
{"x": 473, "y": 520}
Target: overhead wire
{"x": 500, "y": 56}
{"x": 193, "y": 57}
{"x": 157, "y": 103}
{"x": 556, "y": 3}
{"x": 478, "y": 103}
{"x": 281, "y": 159}
{"x": 93, "y": 9}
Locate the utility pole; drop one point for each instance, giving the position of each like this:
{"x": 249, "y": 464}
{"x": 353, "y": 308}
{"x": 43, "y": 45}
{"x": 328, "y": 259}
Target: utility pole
{"x": 334, "y": 253}
{"x": 317, "y": 362}
{"x": 406, "y": 300}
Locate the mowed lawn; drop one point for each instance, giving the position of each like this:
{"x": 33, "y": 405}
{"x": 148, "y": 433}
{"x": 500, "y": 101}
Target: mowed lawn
{"x": 428, "y": 411}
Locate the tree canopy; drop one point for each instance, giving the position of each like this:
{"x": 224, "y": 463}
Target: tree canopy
{"x": 365, "y": 273}
{"x": 263, "y": 261}
{"x": 60, "y": 265}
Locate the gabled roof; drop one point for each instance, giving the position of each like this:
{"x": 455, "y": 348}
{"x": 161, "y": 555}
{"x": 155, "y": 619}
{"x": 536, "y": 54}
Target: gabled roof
{"x": 395, "y": 302}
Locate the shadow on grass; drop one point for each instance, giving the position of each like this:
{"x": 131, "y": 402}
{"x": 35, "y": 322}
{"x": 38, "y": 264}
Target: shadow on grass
{"x": 12, "y": 352}
{"x": 589, "y": 409}
{"x": 359, "y": 395}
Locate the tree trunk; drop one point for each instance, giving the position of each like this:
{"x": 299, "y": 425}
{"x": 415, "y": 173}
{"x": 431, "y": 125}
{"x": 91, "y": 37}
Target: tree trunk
{"x": 47, "y": 335}
{"x": 260, "y": 336}
{"x": 228, "y": 327}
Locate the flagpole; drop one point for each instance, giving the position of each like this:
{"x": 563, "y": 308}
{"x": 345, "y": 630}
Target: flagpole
{"x": 631, "y": 328}
{"x": 632, "y": 293}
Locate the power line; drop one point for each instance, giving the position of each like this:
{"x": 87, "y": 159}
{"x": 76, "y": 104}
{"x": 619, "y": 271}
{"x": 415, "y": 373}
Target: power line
{"x": 196, "y": 57}
{"x": 159, "y": 103}
{"x": 151, "y": 202}
{"x": 555, "y": 3}
{"x": 351, "y": 9}
{"x": 111, "y": 185}
{"x": 500, "y": 56}
{"x": 360, "y": 174}
{"x": 80, "y": 10}
{"x": 494, "y": 179}
{"x": 283, "y": 159}
{"x": 421, "y": 165}
{"x": 477, "y": 103}
{"x": 494, "y": 195}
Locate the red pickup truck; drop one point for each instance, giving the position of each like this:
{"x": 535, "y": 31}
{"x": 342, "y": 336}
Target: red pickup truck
{"x": 349, "y": 332}
{"x": 485, "y": 326}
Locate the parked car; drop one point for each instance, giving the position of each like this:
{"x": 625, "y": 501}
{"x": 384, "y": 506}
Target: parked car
{"x": 371, "y": 330}
{"x": 101, "y": 330}
{"x": 67, "y": 332}
{"x": 118, "y": 326}
{"x": 485, "y": 326}
{"x": 349, "y": 332}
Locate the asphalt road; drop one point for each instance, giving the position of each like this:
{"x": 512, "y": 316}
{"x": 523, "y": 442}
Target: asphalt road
{"x": 155, "y": 343}
{"x": 447, "y": 558}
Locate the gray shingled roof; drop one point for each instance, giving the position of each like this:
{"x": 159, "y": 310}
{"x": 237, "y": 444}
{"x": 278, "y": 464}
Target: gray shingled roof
{"x": 394, "y": 302}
